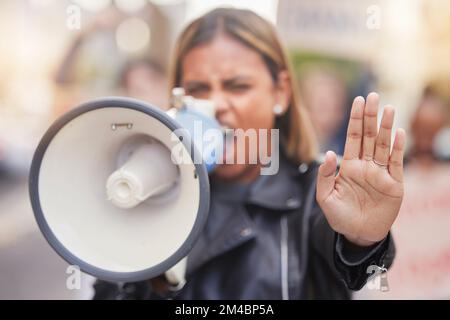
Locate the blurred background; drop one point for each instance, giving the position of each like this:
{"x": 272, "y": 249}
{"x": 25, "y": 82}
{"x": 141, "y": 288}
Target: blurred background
{"x": 55, "y": 54}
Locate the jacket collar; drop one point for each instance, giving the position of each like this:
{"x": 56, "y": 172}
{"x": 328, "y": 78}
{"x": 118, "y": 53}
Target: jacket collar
{"x": 279, "y": 192}
{"x": 229, "y": 225}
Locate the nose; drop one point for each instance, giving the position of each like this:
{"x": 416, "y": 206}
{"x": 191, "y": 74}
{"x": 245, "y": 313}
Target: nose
{"x": 221, "y": 103}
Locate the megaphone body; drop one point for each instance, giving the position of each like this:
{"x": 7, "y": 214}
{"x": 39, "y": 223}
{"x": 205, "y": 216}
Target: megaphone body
{"x": 108, "y": 195}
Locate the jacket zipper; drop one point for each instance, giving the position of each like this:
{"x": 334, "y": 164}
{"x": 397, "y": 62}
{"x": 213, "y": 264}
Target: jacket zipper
{"x": 284, "y": 259}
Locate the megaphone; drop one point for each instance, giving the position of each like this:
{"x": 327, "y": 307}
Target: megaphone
{"x": 107, "y": 194}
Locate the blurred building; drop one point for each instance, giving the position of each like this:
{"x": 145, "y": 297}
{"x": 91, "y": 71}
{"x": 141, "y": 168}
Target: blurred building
{"x": 404, "y": 42}
{"x": 396, "y": 47}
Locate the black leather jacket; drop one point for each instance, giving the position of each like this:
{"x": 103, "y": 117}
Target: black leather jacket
{"x": 269, "y": 240}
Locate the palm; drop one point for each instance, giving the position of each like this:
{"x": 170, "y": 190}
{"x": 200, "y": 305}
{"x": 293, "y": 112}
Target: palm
{"x": 363, "y": 199}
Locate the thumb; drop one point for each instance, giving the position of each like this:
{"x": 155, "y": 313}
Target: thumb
{"x": 326, "y": 177}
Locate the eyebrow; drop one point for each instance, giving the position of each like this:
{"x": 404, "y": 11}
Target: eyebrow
{"x": 235, "y": 79}
{"x": 196, "y": 83}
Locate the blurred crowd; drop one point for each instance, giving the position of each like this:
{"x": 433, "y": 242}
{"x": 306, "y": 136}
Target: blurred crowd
{"x": 92, "y": 62}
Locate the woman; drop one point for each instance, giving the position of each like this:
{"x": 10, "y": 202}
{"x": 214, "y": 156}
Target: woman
{"x": 303, "y": 232}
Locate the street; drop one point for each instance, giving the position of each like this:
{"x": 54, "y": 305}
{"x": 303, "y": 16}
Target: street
{"x": 29, "y": 268}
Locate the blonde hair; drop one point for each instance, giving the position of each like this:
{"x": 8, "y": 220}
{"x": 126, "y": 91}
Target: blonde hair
{"x": 296, "y": 132}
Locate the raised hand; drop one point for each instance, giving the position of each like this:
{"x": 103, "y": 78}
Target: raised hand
{"x": 362, "y": 201}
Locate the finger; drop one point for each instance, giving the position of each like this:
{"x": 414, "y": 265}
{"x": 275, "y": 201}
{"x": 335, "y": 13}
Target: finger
{"x": 383, "y": 142}
{"x": 396, "y": 159}
{"x": 370, "y": 126}
{"x": 355, "y": 130}
{"x": 326, "y": 176}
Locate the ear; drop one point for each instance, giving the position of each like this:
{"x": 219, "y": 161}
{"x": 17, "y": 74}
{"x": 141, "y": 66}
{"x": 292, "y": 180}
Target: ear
{"x": 283, "y": 90}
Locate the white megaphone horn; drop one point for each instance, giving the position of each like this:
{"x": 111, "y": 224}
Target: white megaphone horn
{"x": 108, "y": 196}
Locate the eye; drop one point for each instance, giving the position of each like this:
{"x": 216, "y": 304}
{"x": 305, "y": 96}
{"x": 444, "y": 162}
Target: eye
{"x": 194, "y": 90}
{"x": 239, "y": 87}
{"x": 197, "y": 90}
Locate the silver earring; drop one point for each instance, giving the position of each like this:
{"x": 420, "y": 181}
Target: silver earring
{"x": 277, "y": 109}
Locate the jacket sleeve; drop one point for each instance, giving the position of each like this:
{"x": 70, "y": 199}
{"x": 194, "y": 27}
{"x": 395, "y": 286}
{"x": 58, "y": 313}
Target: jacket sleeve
{"x": 105, "y": 290}
{"x": 152, "y": 289}
{"x": 350, "y": 261}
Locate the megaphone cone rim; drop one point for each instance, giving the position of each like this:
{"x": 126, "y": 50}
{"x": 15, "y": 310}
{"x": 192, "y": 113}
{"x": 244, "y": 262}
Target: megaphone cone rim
{"x": 53, "y": 241}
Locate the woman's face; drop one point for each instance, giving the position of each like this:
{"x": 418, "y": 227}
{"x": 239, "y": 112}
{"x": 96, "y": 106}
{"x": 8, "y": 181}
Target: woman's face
{"x": 239, "y": 83}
